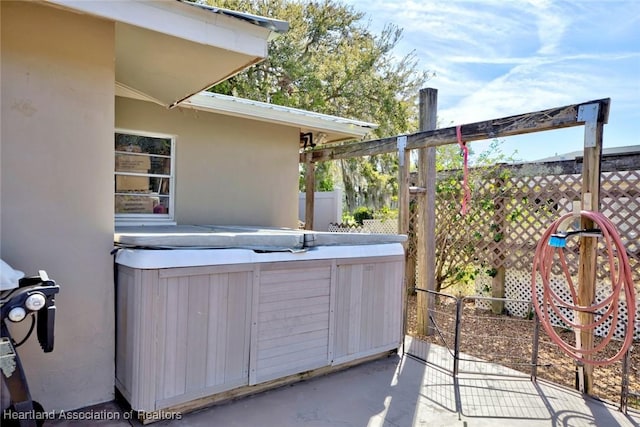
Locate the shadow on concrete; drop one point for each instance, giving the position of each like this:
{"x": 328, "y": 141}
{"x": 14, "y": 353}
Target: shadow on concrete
{"x": 398, "y": 392}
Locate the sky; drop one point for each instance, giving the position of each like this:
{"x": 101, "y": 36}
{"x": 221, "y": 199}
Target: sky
{"x": 497, "y": 58}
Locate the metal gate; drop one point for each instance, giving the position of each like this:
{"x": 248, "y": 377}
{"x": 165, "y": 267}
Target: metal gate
{"x": 464, "y": 338}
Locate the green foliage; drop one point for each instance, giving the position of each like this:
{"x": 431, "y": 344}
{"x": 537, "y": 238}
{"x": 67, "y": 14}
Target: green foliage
{"x": 348, "y": 219}
{"x": 458, "y": 237}
{"x": 361, "y": 214}
{"x": 491, "y": 272}
{"x": 449, "y": 158}
{"x": 530, "y": 313}
{"x": 386, "y": 214}
{"x": 514, "y": 215}
{"x": 370, "y": 181}
{"x": 331, "y": 62}
{"x": 461, "y": 282}
{"x": 324, "y": 176}
{"x": 302, "y": 69}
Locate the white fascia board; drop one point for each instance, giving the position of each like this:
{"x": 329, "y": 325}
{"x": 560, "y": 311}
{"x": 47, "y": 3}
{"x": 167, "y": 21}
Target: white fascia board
{"x": 179, "y": 20}
{"x": 240, "y": 107}
{"x": 127, "y": 92}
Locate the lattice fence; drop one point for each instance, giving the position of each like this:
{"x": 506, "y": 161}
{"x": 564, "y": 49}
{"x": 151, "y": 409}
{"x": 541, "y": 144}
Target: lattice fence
{"x": 412, "y": 243}
{"x": 374, "y": 226}
{"x": 511, "y": 207}
{"x": 518, "y": 287}
{"x": 510, "y": 210}
{"x": 378, "y": 226}
{"x": 345, "y": 228}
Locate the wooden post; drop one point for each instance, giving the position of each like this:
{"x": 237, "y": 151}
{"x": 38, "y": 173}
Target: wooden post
{"x": 426, "y": 245}
{"x": 497, "y": 285}
{"x": 589, "y": 245}
{"x": 404, "y": 165}
{"x": 497, "y": 290}
{"x": 310, "y": 186}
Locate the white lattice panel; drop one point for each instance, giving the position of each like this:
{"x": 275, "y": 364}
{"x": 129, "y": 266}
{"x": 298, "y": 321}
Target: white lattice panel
{"x": 518, "y": 286}
{"x": 483, "y": 289}
{"x": 378, "y": 226}
{"x": 345, "y": 228}
{"x": 373, "y": 226}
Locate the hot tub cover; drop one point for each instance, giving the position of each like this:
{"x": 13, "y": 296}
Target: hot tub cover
{"x": 317, "y": 238}
{"x": 241, "y": 237}
{"x": 197, "y": 236}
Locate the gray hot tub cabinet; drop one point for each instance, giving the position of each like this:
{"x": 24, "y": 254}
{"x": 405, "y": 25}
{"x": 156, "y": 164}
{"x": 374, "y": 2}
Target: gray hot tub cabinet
{"x": 196, "y": 326}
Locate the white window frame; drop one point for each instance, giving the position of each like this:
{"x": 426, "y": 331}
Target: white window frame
{"x": 133, "y": 219}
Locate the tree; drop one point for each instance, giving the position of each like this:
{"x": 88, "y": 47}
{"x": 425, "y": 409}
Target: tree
{"x": 325, "y": 176}
{"x": 331, "y": 62}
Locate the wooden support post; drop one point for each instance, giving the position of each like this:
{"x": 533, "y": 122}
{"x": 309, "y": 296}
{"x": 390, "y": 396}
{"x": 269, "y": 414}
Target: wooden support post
{"x": 404, "y": 166}
{"x": 497, "y": 285}
{"x": 497, "y": 290}
{"x": 588, "y": 246}
{"x": 310, "y": 186}
{"x": 426, "y": 245}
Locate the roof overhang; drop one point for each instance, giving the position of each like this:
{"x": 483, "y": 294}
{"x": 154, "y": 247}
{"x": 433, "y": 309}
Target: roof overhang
{"x": 168, "y": 50}
{"x": 324, "y": 127}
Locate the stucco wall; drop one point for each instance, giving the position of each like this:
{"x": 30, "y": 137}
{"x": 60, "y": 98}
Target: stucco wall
{"x": 228, "y": 170}
{"x": 57, "y": 75}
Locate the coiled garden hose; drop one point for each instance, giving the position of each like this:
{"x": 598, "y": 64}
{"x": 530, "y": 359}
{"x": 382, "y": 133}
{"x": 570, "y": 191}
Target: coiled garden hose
{"x": 549, "y": 302}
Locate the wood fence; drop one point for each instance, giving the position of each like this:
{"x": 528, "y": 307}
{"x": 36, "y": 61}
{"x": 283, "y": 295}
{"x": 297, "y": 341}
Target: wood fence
{"x": 511, "y": 207}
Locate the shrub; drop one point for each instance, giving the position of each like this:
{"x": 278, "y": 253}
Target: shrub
{"x": 362, "y": 213}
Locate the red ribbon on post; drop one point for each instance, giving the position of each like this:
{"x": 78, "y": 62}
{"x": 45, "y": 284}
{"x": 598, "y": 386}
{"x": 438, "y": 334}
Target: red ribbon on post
{"x": 466, "y": 197}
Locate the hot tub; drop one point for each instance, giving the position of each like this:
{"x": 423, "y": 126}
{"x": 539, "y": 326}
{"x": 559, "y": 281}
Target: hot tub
{"x": 205, "y": 313}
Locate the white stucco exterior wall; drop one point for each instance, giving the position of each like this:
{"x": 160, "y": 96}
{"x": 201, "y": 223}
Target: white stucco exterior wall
{"x": 57, "y": 118}
{"x": 229, "y": 170}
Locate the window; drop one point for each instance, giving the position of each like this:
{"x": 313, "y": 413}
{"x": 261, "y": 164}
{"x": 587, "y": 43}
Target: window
{"x": 144, "y": 178}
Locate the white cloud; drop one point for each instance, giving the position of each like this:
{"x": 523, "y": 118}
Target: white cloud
{"x": 551, "y": 23}
{"x": 495, "y": 58}
{"x": 449, "y": 27}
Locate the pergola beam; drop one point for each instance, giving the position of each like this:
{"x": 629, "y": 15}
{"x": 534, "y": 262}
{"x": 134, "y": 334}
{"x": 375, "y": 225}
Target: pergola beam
{"x": 553, "y": 118}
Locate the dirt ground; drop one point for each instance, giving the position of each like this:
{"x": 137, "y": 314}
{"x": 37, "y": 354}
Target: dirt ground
{"x": 508, "y": 341}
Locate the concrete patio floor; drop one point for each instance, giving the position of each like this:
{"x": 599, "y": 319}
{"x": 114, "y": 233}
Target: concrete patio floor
{"x": 394, "y": 392}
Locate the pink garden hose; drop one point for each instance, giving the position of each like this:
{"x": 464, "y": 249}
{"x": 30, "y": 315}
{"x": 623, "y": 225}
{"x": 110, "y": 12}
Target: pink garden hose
{"x": 466, "y": 191}
{"x": 550, "y": 302}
